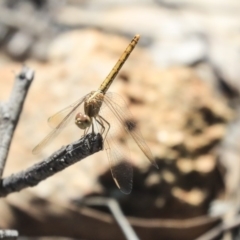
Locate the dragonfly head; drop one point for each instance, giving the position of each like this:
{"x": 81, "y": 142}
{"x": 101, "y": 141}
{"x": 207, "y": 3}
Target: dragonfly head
{"x": 83, "y": 121}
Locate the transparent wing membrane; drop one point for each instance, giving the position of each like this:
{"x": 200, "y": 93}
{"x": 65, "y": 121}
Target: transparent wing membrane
{"x": 119, "y": 108}
{"x": 55, "y": 120}
{"x": 121, "y": 169}
{"x": 54, "y": 133}
{"x": 59, "y": 121}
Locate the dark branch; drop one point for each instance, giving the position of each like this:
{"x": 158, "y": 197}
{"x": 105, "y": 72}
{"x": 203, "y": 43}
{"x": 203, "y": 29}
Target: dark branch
{"x": 58, "y": 161}
{"x": 10, "y": 112}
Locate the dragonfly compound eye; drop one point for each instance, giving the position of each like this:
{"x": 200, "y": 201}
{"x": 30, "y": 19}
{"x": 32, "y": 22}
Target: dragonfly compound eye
{"x": 83, "y": 121}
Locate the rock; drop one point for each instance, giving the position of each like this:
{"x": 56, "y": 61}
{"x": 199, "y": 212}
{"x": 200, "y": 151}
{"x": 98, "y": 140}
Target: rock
{"x": 19, "y": 45}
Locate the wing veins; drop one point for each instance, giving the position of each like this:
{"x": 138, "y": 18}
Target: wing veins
{"x": 55, "y": 132}
{"x": 136, "y": 134}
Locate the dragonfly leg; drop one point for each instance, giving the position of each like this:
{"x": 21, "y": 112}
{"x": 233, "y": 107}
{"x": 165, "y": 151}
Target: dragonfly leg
{"x": 86, "y": 131}
{"x": 93, "y": 127}
{"x": 99, "y": 121}
{"x": 104, "y": 120}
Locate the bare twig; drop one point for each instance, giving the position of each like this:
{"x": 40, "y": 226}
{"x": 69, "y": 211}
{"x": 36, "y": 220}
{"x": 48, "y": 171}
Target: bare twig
{"x": 10, "y": 112}
{"x": 117, "y": 213}
{"x": 219, "y": 229}
{"x": 8, "y": 234}
{"x": 58, "y": 161}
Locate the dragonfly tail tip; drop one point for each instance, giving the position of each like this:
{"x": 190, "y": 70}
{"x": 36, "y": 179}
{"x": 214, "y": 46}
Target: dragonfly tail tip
{"x": 137, "y": 37}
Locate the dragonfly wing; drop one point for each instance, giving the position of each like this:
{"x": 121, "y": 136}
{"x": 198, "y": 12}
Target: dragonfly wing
{"x": 65, "y": 114}
{"x": 121, "y": 169}
{"x": 54, "y": 133}
{"x": 119, "y": 108}
{"x": 63, "y": 118}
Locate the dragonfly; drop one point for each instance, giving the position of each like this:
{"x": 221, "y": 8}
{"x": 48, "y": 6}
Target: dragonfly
{"x": 92, "y": 117}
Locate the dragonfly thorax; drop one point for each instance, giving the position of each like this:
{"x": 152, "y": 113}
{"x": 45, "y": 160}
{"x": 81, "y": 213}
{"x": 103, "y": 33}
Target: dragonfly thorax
{"x": 93, "y": 103}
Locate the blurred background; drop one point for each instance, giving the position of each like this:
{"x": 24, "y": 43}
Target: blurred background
{"x": 182, "y": 85}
